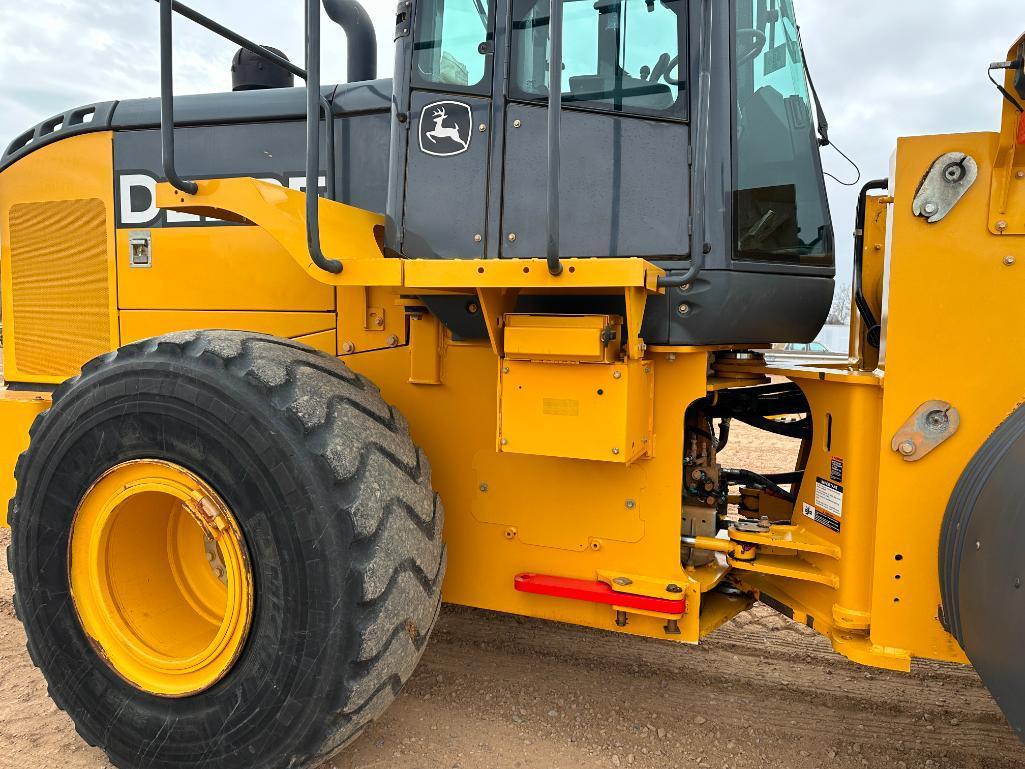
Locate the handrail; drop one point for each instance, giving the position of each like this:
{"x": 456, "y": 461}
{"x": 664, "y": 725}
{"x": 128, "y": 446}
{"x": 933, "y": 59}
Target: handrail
{"x": 313, "y": 108}
{"x": 167, "y": 101}
{"x": 554, "y": 134}
{"x": 315, "y": 103}
{"x": 699, "y": 174}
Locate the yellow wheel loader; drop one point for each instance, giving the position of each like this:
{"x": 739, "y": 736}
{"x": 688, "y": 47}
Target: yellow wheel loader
{"x": 286, "y": 367}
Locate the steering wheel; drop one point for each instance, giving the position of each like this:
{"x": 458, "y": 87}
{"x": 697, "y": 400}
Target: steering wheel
{"x": 755, "y": 40}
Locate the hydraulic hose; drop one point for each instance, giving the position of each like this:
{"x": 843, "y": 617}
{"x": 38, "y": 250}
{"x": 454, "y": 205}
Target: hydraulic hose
{"x": 874, "y": 330}
{"x": 740, "y": 477}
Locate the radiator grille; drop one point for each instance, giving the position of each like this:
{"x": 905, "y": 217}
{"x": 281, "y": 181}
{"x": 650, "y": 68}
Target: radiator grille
{"x": 60, "y": 286}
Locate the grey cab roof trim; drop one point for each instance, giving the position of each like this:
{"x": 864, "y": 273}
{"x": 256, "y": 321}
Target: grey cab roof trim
{"x": 200, "y": 109}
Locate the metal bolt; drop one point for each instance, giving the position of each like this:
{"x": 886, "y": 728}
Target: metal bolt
{"x": 1001, "y": 225}
{"x": 623, "y": 581}
{"x": 616, "y": 452}
{"x": 630, "y": 504}
{"x": 393, "y": 341}
{"x": 517, "y": 123}
{"x": 472, "y": 308}
{"x": 685, "y": 288}
{"x": 505, "y": 441}
{"x": 505, "y": 369}
{"x": 484, "y": 488}
{"x": 907, "y": 448}
{"x": 938, "y": 420}
{"x": 647, "y": 369}
{"x": 510, "y": 533}
{"x": 1010, "y": 261}
{"x": 617, "y": 374}
{"x": 348, "y": 347}
{"x": 930, "y": 208}
{"x": 673, "y": 588}
{"x": 378, "y": 321}
{"x": 684, "y": 309}
{"x": 1020, "y": 175}
{"x": 978, "y": 546}
{"x": 482, "y": 128}
{"x": 478, "y": 238}
{"x": 1017, "y": 583}
{"x": 512, "y": 237}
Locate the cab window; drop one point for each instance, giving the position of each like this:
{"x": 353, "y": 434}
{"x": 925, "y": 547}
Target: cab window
{"x": 781, "y": 213}
{"x": 451, "y": 47}
{"x": 618, "y": 55}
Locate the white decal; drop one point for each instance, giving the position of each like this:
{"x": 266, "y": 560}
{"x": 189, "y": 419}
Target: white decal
{"x": 445, "y": 139}
{"x": 129, "y": 215}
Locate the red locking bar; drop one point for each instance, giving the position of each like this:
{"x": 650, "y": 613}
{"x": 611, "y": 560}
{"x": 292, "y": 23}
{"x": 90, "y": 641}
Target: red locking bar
{"x": 595, "y": 592}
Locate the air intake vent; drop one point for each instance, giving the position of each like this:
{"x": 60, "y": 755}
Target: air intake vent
{"x": 60, "y": 286}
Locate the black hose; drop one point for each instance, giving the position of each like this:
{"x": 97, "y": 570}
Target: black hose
{"x": 724, "y": 434}
{"x": 874, "y": 331}
{"x": 749, "y": 477}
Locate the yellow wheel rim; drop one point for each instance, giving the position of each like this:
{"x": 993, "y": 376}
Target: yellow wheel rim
{"x": 160, "y": 577}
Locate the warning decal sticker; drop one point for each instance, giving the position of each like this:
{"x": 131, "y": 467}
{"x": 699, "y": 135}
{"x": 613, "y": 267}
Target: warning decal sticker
{"x": 836, "y": 470}
{"x": 828, "y": 507}
{"x": 818, "y": 517}
{"x": 829, "y": 497}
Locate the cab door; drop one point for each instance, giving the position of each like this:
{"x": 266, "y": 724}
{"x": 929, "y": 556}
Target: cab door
{"x": 448, "y": 145}
{"x": 625, "y": 139}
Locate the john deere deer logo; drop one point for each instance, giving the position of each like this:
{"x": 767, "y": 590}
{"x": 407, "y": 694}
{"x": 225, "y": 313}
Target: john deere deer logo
{"x": 445, "y": 128}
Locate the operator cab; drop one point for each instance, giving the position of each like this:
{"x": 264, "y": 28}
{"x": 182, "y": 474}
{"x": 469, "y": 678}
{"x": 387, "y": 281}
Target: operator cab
{"x": 472, "y": 89}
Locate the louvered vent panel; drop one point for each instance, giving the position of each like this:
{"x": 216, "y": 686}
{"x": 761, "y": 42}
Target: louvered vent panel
{"x": 60, "y": 286}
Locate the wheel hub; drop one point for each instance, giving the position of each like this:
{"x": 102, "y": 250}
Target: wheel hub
{"x": 160, "y": 577}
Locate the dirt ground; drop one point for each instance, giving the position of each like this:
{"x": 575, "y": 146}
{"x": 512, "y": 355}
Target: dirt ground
{"x": 501, "y": 692}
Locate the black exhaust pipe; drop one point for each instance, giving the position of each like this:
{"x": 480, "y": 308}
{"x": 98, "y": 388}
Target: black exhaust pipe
{"x": 359, "y": 31}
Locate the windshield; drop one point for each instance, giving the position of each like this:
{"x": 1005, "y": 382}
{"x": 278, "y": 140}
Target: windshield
{"x": 620, "y": 55}
{"x": 449, "y": 38}
{"x": 780, "y": 208}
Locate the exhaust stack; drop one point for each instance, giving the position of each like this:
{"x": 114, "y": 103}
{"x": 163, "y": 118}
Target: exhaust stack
{"x": 362, "y": 40}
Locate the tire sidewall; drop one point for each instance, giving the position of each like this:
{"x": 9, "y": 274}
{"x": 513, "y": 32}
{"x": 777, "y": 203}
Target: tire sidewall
{"x": 251, "y": 455}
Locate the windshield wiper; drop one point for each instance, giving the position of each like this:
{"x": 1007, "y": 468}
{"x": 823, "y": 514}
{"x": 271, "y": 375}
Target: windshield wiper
{"x": 820, "y": 112}
{"x": 482, "y": 12}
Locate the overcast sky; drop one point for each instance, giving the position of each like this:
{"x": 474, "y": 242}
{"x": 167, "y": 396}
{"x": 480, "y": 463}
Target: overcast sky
{"x": 884, "y": 68}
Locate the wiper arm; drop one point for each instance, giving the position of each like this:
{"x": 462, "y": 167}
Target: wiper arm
{"x": 820, "y": 113}
{"x": 482, "y": 12}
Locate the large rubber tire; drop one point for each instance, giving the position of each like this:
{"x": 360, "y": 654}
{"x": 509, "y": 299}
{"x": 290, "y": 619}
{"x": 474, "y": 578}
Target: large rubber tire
{"x": 982, "y": 577}
{"x": 335, "y": 503}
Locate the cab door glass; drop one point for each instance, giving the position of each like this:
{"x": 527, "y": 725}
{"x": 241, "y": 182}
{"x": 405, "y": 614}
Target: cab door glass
{"x": 618, "y": 55}
{"x": 780, "y": 211}
{"x": 452, "y": 45}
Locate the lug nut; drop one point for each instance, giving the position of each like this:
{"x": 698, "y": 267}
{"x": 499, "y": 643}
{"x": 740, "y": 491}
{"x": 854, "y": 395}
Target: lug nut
{"x": 1010, "y": 261}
